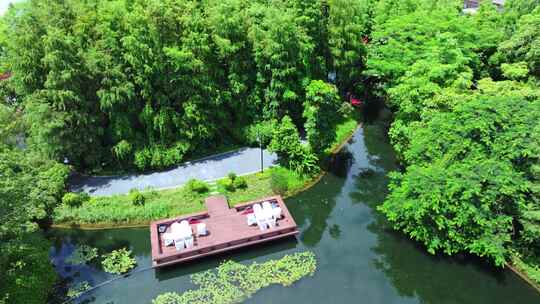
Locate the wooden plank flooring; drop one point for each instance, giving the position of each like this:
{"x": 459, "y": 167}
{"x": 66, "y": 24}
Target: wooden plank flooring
{"x": 227, "y": 230}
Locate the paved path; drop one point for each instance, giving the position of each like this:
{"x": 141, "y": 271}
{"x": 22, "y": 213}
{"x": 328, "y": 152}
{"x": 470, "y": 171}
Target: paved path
{"x": 243, "y": 161}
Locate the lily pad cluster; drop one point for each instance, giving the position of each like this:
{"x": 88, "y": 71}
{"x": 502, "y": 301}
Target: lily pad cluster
{"x": 82, "y": 254}
{"x": 118, "y": 261}
{"x": 78, "y": 289}
{"x": 233, "y": 282}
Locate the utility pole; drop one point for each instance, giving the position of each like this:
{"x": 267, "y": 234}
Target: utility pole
{"x": 260, "y": 147}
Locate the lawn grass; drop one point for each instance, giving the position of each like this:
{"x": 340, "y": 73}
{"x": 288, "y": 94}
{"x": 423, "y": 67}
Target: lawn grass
{"x": 343, "y": 130}
{"x": 118, "y": 210}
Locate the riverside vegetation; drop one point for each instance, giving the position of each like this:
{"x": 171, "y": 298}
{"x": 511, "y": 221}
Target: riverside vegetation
{"x": 233, "y": 282}
{"x": 141, "y": 85}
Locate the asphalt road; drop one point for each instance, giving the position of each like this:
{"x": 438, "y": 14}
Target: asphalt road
{"x": 243, "y": 161}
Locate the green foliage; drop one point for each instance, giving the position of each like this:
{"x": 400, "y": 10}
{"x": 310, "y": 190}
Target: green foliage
{"x": 72, "y": 199}
{"x": 196, "y": 186}
{"x": 515, "y": 71}
{"x": 82, "y": 254}
{"x": 227, "y": 184}
{"x": 118, "y": 261}
{"x": 240, "y": 183}
{"x": 348, "y": 24}
{"x": 147, "y": 83}
{"x": 27, "y": 274}
{"x": 78, "y": 289}
{"x": 232, "y": 282}
{"x": 262, "y": 130}
{"x": 321, "y": 114}
{"x": 279, "y": 182}
{"x": 529, "y": 265}
{"x": 118, "y": 209}
{"x": 291, "y": 152}
{"x": 470, "y": 151}
{"x": 136, "y": 197}
{"x": 113, "y": 211}
{"x": 233, "y": 182}
{"x": 524, "y": 44}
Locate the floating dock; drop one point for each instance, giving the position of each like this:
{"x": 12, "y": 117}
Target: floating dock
{"x": 227, "y": 230}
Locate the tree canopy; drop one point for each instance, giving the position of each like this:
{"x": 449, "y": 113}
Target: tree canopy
{"x": 148, "y": 83}
{"x": 464, "y": 90}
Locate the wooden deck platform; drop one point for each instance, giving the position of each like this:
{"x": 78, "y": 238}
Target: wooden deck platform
{"x": 227, "y": 230}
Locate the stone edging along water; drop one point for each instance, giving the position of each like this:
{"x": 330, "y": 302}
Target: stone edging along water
{"x": 307, "y": 185}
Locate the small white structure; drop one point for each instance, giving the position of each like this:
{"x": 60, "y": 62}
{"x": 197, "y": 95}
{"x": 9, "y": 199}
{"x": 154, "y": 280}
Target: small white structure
{"x": 251, "y": 219}
{"x": 182, "y": 235}
{"x": 264, "y": 216}
{"x": 201, "y": 229}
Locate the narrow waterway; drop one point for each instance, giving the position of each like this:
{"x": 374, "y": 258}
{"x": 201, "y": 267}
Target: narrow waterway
{"x": 360, "y": 259}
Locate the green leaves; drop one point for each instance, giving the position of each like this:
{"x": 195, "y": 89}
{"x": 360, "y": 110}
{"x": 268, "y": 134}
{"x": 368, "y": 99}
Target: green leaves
{"x": 118, "y": 261}
{"x": 321, "y": 114}
{"x": 470, "y": 154}
{"x": 291, "y": 152}
{"x": 232, "y": 282}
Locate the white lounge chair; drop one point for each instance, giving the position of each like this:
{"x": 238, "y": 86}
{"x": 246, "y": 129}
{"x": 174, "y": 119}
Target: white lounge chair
{"x": 179, "y": 244}
{"x": 201, "y": 229}
{"x": 260, "y": 216}
{"x": 188, "y": 241}
{"x": 266, "y": 206}
{"x": 168, "y": 239}
{"x": 276, "y": 213}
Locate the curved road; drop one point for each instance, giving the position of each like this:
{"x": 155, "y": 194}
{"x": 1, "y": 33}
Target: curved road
{"x": 241, "y": 162}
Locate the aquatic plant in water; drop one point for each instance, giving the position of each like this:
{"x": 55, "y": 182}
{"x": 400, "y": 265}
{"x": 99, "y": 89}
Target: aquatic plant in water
{"x": 78, "y": 289}
{"x": 82, "y": 254}
{"x": 233, "y": 282}
{"x": 118, "y": 261}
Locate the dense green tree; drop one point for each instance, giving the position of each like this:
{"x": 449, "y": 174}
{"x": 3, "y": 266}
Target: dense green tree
{"x": 290, "y": 150}
{"x": 148, "y": 83}
{"x": 321, "y": 114}
{"x": 348, "y": 29}
{"x": 524, "y": 44}
{"x": 31, "y": 186}
{"x": 466, "y": 186}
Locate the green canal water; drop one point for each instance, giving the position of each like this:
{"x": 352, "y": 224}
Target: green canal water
{"x": 360, "y": 259}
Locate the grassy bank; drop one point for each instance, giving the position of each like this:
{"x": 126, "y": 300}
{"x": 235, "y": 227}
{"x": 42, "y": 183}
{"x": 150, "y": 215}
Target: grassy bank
{"x": 527, "y": 268}
{"x": 118, "y": 210}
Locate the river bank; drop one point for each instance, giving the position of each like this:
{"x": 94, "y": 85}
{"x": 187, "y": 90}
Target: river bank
{"x": 117, "y": 211}
{"x": 358, "y": 253}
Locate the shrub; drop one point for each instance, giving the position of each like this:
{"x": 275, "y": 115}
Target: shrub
{"x": 197, "y": 186}
{"x": 75, "y": 199}
{"x": 136, "y": 197}
{"x": 240, "y": 183}
{"x": 118, "y": 261}
{"x": 228, "y": 184}
{"x": 232, "y": 176}
{"x": 278, "y": 182}
{"x": 291, "y": 152}
{"x": 159, "y": 156}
